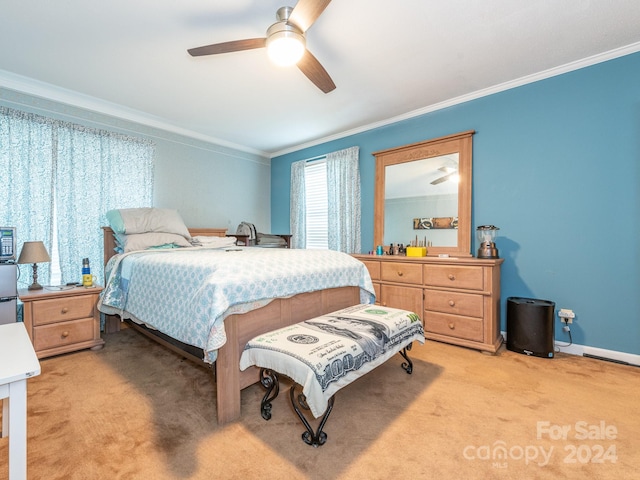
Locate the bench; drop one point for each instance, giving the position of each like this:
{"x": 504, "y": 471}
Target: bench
{"x": 325, "y": 354}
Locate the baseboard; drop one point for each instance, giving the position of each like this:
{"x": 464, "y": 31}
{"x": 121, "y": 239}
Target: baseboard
{"x": 593, "y": 352}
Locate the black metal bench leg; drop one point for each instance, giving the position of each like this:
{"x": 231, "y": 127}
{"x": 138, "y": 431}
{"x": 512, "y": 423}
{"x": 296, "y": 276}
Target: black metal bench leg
{"x": 408, "y": 365}
{"x": 310, "y": 437}
{"x": 269, "y": 380}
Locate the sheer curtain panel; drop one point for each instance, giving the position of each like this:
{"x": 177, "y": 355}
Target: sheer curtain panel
{"x": 96, "y": 172}
{"x": 298, "y": 205}
{"x": 343, "y": 189}
{"x": 26, "y": 163}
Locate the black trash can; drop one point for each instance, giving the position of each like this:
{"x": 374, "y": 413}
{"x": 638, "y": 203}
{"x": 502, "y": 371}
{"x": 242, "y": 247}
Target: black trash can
{"x": 530, "y": 328}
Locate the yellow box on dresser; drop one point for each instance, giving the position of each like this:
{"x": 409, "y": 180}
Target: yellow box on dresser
{"x": 416, "y": 251}
{"x": 62, "y": 321}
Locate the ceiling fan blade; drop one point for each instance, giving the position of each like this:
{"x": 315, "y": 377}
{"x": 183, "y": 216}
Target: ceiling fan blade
{"x": 315, "y": 72}
{"x": 227, "y": 47}
{"x": 306, "y": 12}
{"x": 441, "y": 179}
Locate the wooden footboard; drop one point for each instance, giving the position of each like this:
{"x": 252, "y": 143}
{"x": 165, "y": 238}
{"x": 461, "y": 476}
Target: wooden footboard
{"x": 242, "y": 328}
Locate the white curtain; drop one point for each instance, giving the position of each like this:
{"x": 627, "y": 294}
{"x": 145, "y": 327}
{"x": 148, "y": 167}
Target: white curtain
{"x": 297, "y": 206}
{"x": 97, "y": 171}
{"x": 343, "y": 190}
{"x": 26, "y": 164}
{"x": 65, "y": 177}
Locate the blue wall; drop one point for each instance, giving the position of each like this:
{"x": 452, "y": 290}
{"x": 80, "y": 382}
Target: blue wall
{"x": 556, "y": 167}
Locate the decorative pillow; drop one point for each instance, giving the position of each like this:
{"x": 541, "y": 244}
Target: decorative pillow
{"x": 144, "y": 241}
{"x": 148, "y": 219}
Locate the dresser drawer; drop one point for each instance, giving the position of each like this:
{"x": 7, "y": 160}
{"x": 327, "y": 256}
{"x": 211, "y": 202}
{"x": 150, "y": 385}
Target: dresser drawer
{"x": 402, "y": 297}
{"x": 453, "y": 326}
{"x": 63, "y": 333}
{"x": 374, "y": 269}
{"x": 62, "y": 309}
{"x": 401, "y": 272}
{"x": 453, "y": 276}
{"x": 455, "y": 303}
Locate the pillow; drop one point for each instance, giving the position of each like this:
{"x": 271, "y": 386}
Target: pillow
{"x": 144, "y": 241}
{"x": 148, "y": 219}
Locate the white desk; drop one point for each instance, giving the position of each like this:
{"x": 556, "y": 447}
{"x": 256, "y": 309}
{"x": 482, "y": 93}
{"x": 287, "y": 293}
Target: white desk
{"x": 18, "y": 362}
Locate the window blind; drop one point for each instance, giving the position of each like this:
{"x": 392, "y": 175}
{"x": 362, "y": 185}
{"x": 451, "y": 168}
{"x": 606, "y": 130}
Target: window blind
{"x": 316, "y": 200}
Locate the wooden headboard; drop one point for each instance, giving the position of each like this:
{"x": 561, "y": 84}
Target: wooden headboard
{"x": 109, "y": 241}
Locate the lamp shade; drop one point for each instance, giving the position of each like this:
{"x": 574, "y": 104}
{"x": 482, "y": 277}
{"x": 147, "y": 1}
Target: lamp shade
{"x": 33, "y": 252}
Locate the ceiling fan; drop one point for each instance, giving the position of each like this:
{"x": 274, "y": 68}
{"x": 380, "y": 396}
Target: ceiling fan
{"x": 291, "y": 25}
{"x": 449, "y": 172}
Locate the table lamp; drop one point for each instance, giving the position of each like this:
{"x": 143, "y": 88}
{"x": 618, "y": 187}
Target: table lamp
{"x": 34, "y": 252}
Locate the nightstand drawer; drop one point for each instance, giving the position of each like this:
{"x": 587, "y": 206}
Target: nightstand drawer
{"x": 453, "y": 326}
{"x": 452, "y": 302}
{"x": 452, "y": 276}
{"x": 401, "y": 272}
{"x": 62, "y": 309}
{"x": 64, "y": 333}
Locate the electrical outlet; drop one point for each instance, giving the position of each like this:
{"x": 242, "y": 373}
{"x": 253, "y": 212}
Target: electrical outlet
{"x": 566, "y": 315}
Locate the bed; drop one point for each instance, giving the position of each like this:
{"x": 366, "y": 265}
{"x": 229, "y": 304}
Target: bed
{"x": 260, "y": 316}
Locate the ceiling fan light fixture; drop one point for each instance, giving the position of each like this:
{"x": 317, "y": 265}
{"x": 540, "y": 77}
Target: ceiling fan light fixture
{"x": 285, "y": 44}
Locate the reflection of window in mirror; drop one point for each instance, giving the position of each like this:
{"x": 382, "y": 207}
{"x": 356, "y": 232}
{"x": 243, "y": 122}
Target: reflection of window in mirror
{"x": 416, "y": 194}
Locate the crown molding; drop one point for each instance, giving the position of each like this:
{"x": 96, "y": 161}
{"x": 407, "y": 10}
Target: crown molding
{"x": 36, "y": 88}
{"x": 552, "y": 72}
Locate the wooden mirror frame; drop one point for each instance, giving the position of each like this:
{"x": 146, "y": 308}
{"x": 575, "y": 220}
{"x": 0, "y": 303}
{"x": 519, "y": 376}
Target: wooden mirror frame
{"x": 460, "y": 143}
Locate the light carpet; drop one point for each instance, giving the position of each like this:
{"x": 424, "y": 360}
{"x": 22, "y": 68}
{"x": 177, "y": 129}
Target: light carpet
{"x": 135, "y": 410}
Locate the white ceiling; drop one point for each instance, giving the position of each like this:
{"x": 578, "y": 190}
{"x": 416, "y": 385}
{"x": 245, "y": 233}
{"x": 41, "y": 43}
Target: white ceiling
{"x": 389, "y": 60}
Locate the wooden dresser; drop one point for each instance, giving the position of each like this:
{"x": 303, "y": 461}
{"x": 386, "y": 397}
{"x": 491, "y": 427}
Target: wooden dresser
{"x": 62, "y": 321}
{"x": 458, "y": 299}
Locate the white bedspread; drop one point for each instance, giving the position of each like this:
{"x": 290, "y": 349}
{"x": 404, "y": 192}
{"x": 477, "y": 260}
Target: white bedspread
{"x": 186, "y": 293}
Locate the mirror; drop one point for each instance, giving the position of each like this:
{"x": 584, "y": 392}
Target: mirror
{"x": 417, "y": 197}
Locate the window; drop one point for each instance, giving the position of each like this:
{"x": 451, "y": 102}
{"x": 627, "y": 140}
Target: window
{"x": 315, "y": 180}
{"x": 325, "y": 202}
{"x": 61, "y": 180}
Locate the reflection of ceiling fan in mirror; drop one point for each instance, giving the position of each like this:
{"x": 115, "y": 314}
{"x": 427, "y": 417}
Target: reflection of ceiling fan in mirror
{"x": 449, "y": 174}
{"x": 286, "y": 36}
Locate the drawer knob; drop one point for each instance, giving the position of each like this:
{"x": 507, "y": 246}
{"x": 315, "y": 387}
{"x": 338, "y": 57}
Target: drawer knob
{"x": 64, "y": 310}
{"x": 65, "y": 334}
{"x": 452, "y": 277}
{"x": 452, "y": 303}
{"x": 400, "y": 274}
{"x": 452, "y": 326}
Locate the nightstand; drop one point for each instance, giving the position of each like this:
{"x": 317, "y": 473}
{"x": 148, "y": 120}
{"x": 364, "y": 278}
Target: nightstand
{"x": 62, "y": 321}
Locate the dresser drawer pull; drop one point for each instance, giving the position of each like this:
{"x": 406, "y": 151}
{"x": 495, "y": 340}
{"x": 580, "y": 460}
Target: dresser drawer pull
{"x": 452, "y": 326}
{"x": 452, "y": 277}
{"x": 64, "y": 310}
{"x": 65, "y": 334}
{"x": 452, "y": 303}
{"x": 400, "y": 274}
